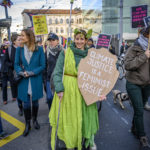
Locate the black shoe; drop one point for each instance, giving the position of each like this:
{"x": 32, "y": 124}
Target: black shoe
{"x": 34, "y": 116}
{"x": 27, "y": 129}
{"x": 36, "y": 124}
{"x": 145, "y": 145}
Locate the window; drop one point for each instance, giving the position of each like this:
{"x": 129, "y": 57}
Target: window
{"x": 80, "y": 21}
{"x": 72, "y": 20}
{"x": 56, "y": 30}
{"x": 67, "y": 21}
{"x": 50, "y": 21}
{"x": 56, "y": 21}
{"x": 61, "y": 21}
{"x": 62, "y": 30}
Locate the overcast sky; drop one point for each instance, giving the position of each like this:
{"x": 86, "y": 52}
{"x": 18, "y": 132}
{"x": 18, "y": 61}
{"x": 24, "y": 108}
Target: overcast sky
{"x": 19, "y": 5}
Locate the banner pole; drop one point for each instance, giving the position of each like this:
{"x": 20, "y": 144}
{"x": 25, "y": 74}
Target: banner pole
{"x": 69, "y": 29}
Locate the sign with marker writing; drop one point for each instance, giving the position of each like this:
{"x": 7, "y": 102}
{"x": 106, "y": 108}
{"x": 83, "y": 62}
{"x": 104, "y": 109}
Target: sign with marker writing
{"x": 147, "y": 21}
{"x": 40, "y": 24}
{"x": 97, "y": 74}
{"x": 103, "y": 41}
{"x": 138, "y": 13}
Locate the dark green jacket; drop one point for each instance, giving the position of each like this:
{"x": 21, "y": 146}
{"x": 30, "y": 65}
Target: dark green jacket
{"x": 58, "y": 71}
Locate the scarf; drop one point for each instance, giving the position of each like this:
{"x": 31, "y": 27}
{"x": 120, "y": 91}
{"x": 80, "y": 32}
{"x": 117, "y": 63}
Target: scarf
{"x": 27, "y": 53}
{"x": 143, "y": 41}
{"x": 54, "y": 51}
{"x": 79, "y": 52}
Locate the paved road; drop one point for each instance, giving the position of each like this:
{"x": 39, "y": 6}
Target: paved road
{"x": 114, "y": 133}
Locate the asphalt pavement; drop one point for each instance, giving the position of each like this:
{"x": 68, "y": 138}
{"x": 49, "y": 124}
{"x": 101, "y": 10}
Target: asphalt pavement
{"x": 114, "y": 132}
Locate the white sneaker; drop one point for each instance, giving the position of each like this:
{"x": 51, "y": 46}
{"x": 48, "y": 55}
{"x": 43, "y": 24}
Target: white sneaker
{"x": 147, "y": 106}
{"x": 94, "y": 147}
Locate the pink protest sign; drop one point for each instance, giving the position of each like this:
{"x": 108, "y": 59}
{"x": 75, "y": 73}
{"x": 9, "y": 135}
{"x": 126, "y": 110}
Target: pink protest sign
{"x": 138, "y": 13}
{"x": 103, "y": 41}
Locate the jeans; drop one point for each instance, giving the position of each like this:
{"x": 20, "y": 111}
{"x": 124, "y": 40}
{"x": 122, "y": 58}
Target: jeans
{"x": 27, "y": 104}
{"x": 19, "y": 103}
{"x": 1, "y": 128}
{"x": 139, "y": 96}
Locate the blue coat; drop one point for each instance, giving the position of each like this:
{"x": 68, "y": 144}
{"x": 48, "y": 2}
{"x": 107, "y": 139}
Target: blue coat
{"x": 36, "y": 65}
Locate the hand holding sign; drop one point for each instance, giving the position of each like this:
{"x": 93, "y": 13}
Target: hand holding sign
{"x": 102, "y": 97}
{"x": 97, "y": 75}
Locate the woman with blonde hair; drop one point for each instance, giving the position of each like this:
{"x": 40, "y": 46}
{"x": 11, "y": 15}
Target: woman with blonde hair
{"x": 29, "y": 63}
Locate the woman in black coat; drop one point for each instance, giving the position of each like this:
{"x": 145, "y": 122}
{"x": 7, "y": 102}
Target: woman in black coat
{"x": 16, "y": 42}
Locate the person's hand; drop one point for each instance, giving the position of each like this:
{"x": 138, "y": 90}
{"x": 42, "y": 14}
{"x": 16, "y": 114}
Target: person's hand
{"x": 147, "y": 53}
{"x": 102, "y": 97}
{"x": 60, "y": 95}
{"x": 30, "y": 73}
{"x": 26, "y": 74}
{"x": 22, "y": 73}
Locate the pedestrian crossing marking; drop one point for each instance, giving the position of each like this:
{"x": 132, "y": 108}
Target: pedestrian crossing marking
{"x": 14, "y": 122}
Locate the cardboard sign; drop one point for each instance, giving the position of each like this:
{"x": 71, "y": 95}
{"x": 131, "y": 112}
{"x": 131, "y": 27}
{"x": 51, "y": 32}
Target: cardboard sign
{"x": 103, "y": 41}
{"x": 147, "y": 21}
{"x": 40, "y": 24}
{"x": 138, "y": 13}
{"x": 97, "y": 74}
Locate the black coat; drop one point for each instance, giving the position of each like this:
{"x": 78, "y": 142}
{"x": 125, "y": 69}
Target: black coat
{"x": 51, "y": 62}
{"x": 12, "y": 57}
{"x": 3, "y": 59}
{"x": 7, "y": 60}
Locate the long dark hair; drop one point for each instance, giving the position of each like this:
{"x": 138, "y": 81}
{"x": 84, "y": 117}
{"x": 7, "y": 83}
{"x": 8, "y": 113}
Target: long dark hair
{"x": 30, "y": 34}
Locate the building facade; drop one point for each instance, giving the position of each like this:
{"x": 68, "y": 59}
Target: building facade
{"x": 111, "y": 17}
{"x": 57, "y": 20}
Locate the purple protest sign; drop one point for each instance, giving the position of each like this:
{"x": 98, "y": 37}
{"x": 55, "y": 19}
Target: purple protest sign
{"x": 147, "y": 21}
{"x": 138, "y": 13}
{"x": 103, "y": 41}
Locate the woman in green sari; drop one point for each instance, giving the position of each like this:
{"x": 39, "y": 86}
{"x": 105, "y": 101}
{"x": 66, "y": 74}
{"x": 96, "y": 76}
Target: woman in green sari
{"x": 78, "y": 123}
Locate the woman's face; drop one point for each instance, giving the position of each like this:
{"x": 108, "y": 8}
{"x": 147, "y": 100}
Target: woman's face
{"x": 18, "y": 41}
{"x": 53, "y": 43}
{"x": 89, "y": 43}
{"x": 24, "y": 38}
{"x": 80, "y": 41}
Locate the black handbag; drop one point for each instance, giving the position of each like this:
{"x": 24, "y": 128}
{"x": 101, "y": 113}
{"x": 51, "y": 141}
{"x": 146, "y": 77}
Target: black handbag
{"x": 17, "y": 77}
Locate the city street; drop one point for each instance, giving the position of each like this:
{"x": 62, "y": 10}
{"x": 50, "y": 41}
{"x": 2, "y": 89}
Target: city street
{"x": 114, "y": 133}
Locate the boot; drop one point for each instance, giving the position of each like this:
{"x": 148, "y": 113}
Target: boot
{"x": 20, "y": 112}
{"x": 34, "y": 117}
{"x": 27, "y": 115}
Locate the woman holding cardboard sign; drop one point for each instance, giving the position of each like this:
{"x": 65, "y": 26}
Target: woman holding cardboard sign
{"x": 137, "y": 64}
{"x": 77, "y": 121}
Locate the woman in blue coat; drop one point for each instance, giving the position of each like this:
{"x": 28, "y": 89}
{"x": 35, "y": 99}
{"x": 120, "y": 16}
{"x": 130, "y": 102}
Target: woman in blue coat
{"x": 30, "y": 65}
